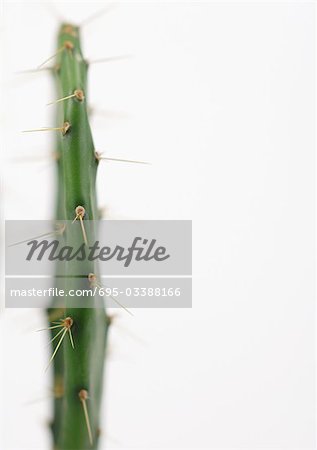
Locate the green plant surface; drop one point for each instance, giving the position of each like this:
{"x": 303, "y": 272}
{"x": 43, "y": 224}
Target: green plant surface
{"x": 78, "y": 372}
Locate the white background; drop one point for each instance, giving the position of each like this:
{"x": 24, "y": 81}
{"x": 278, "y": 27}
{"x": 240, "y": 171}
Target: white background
{"x": 220, "y": 98}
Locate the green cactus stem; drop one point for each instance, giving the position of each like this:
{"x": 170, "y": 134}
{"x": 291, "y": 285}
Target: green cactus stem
{"x": 78, "y": 372}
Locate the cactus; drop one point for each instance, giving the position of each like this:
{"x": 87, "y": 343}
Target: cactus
{"x": 78, "y": 362}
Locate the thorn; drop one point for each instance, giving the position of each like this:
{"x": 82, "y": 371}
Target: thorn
{"x": 56, "y": 335}
{"x": 83, "y": 396}
{"x": 66, "y": 325}
{"x": 78, "y": 93}
{"x": 92, "y": 278}
{"x": 71, "y": 339}
{"x": 109, "y": 59}
{"x": 43, "y": 69}
{"x": 51, "y": 57}
{"x": 50, "y": 328}
{"x": 68, "y": 45}
{"x": 56, "y": 349}
{"x": 60, "y": 228}
{"x": 43, "y": 129}
{"x": 97, "y": 14}
{"x": 63, "y": 129}
{"x": 80, "y": 213}
{"x": 99, "y": 157}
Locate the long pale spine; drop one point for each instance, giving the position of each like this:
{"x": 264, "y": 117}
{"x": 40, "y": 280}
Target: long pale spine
{"x": 78, "y": 372}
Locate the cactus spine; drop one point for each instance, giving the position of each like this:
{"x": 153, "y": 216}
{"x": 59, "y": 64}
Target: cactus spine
{"x": 78, "y": 371}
